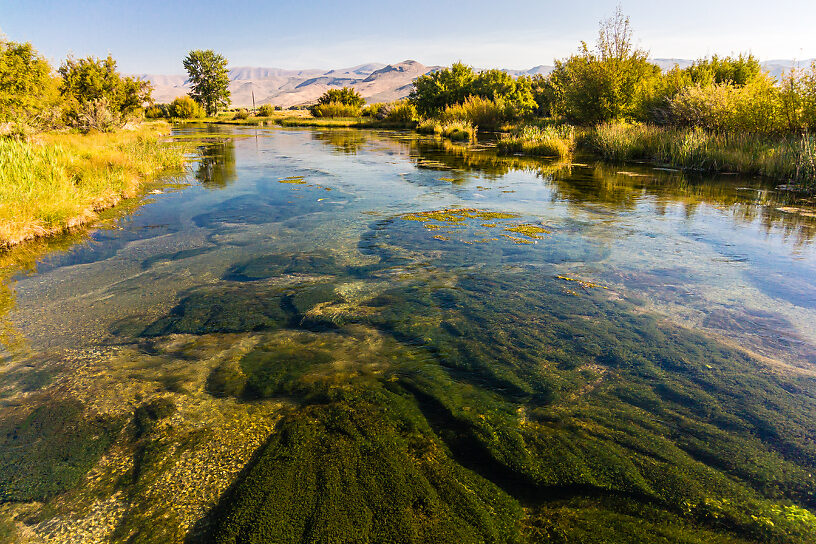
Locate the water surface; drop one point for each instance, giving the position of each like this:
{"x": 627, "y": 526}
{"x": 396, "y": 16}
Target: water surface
{"x": 346, "y": 335}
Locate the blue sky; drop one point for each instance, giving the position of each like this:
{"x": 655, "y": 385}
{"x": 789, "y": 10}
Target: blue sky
{"x": 152, "y": 36}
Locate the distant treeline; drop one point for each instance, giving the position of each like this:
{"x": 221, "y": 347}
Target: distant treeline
{"x": 615, "y": 81}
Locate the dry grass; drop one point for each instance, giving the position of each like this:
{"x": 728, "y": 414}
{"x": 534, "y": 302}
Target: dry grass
{"x": 58, "y": 181}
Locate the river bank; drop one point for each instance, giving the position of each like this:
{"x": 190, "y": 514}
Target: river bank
{"x": 57, "y": 181}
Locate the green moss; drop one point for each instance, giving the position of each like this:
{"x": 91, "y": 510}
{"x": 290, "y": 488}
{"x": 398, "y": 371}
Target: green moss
{"x": 353, "y": 471}
{"x": 223, "y": 309}
{"x": 50, "y": 449}
{"x": 277, "y": 264}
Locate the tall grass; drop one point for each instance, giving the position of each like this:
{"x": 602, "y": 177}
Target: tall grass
{"x": 59, "y": 181}
{"x": 551, "y": 141}
{"x": 454, "y": 130}
{"x": 480, "y": 112}
{"x": 791, "y": 158}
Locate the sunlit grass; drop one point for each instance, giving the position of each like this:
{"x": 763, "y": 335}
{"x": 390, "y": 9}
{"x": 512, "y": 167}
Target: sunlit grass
{"x": 789, "y": 158}
{"x": 60, "y": 180}
{"x": 547, "y": 142}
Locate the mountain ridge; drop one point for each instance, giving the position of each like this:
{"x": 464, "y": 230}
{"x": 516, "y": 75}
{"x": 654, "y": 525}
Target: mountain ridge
{"x": 376, "y": 82}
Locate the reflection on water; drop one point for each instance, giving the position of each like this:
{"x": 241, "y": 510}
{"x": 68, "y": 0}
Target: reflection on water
{"x": 216, "y": 165}
{"x": 405, "y": 336}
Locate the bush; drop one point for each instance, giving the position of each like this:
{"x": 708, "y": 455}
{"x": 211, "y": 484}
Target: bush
{"x": 728, "y": 107}
{"x": 378, "y": 111}
{"x": 89, "y": 84}
{"x": 399, "y": 113}
{"x": 265, "y": 110}
{"x": 433, "y": 93}
{"x": 96, "y": 115}
{"x": 28, "y": 92}
{"x": 185, "y": 107}
{"x": 241, "y": 114}
{"x": 335, "y": 109}
{"x": 346, "y": 96}
{"x": 158, "y": 111}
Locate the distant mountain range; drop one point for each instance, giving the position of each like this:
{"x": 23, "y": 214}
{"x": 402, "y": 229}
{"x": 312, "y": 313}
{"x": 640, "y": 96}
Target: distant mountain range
{"x": 376, "y": 82}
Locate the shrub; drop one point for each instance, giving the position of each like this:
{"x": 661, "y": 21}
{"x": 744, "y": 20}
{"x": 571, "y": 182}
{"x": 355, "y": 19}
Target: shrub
{"x": 90, "y": 83}
{"x": 346, "y": 96}
{"x": 378, "y": 110}
{"x": 433, "y": 93}
{"x": 335, "y": 109}
{"x": 158, "y": 111}
{"x": 241, "y": 114}
{"x": 96, "y": 115}
{"x": 729, "y": 107}
{"x": 265, "y": 110}
{"x": 28, "y": 92}
{"x": 478, "y": 111}
{"x": 399, "y": 113}
{"x": 185, "y": 107}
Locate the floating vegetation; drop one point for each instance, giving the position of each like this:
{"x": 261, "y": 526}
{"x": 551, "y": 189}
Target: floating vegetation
{"x": 517, "y": 240}
{"x": 295, "y": 180}
{"x": 530, "y": 230}
{"x": 448, "y": 179}
{"x": 457, "y": 215}
{"x": 582, "y": 283}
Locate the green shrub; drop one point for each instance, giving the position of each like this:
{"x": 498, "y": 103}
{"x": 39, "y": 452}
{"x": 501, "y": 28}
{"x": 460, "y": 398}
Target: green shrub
{"x": 158, "y": 111}
{"x": 377, "y": 110}
{"x": 346, "y": 96}
{"x": 335, "y": 109}
{"x": 241, "y": 114}
{"x": 480, "y": 112}
{"x": 265, "y": 110}
{"x": 91, "y": 85}
{"x": 728, "y": 107}
{"x": 401, "y": 112}
{"x": 185, "y": 107}
{"x": 28, "y": 92}
{"x": 433, "y": 93}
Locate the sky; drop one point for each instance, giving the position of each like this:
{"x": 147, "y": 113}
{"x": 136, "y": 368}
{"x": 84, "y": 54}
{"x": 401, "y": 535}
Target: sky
{"x": 153, "y": 36}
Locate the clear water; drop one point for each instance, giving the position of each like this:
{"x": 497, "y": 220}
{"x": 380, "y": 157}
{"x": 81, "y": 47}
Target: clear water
{"x": 341, "y": 229}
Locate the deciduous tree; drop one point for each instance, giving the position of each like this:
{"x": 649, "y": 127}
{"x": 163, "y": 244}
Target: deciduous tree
{"x": 209, "y": 78}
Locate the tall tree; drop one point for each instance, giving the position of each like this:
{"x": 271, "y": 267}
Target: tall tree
{"x": 27, "y": 86}
{"x": 209, "y": 78}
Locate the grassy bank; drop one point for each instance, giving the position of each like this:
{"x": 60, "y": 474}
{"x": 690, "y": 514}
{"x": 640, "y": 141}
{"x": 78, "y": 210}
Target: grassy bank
{"x": 57, "y": 181}
{"x": 791, "y": 159}
{"x": 788, "y": 158}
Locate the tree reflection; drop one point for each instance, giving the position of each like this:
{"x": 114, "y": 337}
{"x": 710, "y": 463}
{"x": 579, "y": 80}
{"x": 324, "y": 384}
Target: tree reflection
{"x": 216, "y": 166}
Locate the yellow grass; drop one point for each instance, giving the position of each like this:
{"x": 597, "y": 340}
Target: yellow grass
{"x": 58, "y": 181}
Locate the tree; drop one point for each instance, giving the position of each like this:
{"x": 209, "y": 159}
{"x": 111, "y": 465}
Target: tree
{"x": 27, "y": 86}
{"x": 346, "y": 96}
{"x": 603, "y": 83}
{"x": 95, "y": 91}
{"x": 185, "y": 107}
{"x": 432, "y": 93}
{"x": 209, "y": 78}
